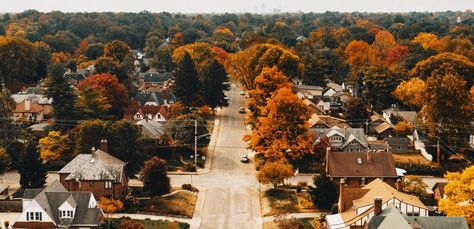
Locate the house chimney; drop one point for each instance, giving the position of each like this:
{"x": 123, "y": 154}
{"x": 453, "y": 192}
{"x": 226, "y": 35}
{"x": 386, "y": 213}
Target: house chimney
{"x": 377, "y": 205}
{"x": 399, "y": 185}
{"x": 341, "y": 196}
{"x": 27, "y": 104}
{"x": 103, "y": 145}
{"x": 369, "y": 156}
{"x": 326, "y": 159}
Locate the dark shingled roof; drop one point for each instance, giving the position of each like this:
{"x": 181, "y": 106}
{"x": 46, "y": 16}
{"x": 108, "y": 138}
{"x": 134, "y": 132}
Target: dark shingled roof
{"x": 157, "y": 77}
{"x": 355, "y": 164}
{"x": 53, "y": 196}
{"x": 398, "y": 141}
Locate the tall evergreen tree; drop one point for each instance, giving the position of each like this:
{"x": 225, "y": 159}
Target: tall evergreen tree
{"x": 214, "y": 85}
{"x": 62, "y": 93}
{"x": 32, "y": 170}
{"x": 186, "y": 82}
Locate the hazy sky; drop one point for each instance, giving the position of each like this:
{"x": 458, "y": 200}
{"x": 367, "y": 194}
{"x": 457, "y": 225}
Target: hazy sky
{"x": 219, "y": 6}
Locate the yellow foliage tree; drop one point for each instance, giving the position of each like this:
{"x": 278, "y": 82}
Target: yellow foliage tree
{"x": 411, "y": 92}
{"x": 358, "y": 54}
{"x": 403, "y": 128}
{"x": 472, "y": 93}
{"x": 59, "y": 57}
{"x": 426, "y": 40}
{"x": 53, "y": 145}
{"x": 459, "y": 195}
{"x": 274, "y": 172}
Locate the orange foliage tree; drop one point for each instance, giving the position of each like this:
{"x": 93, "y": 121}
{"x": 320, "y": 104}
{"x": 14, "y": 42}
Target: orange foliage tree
{"x": 283, "y": 132}
{"x": 116, "y": 93}
{"x": 110, "y": 205}
{"x": 358, "y": 54}
{"x": 269, "y": 80}
{"x": 59, "y": 57}
{"x": 411, "y": 92}
{"x": 274, "y": 173}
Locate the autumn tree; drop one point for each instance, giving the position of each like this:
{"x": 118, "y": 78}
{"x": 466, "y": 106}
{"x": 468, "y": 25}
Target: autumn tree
{"x": 163, "y": 59}
{"x": 411, "y": 92}
{"x": 94, "y": 50}
{"x": 43, "y": 57}
{"x": 214, "y": 84}
{"x": 414, "y": 185}
{"x": 274, "y": 172}
{"x": 246, "y": 65}
{"x": 53, "y": 146}
{"x": 17, "y": 62}
{"x": 89, "y": 134}
{"x": 269, "y": 81}
{"x": 472, "y": 93}
{"x": 92, "y": 103}
{"x": 117, "y": 50}
{"x": 379, "y": 83}
{"x": 124, "y": 143}
{"x": 5, "y": 161}
{"x": 357, "y": 112}
{"x": 324, "y": 192}
{"x": 110, "y": 205}
{"x": 459, "y": 193}
{"x": 32, "y": 171}
{"x": 403, "y": 128}
{"x": 154, "y": 176}
{"x": 282, "y": 130}
{"x": 62, "y": 93}
{"x": 447, "y": 108}
{"x": 445, "y": 63}
{"x": 186, "y": 84}
{"x": 358, "y": 54}
{"x": 116, "y": 93}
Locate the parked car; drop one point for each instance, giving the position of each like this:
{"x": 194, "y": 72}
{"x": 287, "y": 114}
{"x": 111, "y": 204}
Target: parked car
{"x": 242, "y": 92}
{"x": 242, "y": 110}
{"x": 244, "y": 158}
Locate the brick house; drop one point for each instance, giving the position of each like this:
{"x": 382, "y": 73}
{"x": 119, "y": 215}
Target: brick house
{"x": 98, "y": 172}
{"x": 360, "y": 168}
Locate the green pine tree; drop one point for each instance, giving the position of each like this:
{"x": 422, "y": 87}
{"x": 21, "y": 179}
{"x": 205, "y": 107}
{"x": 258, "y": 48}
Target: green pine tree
{"x": 186, "y": 82}
{"x": 214, "y": 85}
{"x": 32, "y": 170}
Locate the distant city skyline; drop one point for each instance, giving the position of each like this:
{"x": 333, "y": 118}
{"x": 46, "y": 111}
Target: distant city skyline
{"x": 239, "y": 6}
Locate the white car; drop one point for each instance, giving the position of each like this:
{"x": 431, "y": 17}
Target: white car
{"x": 242, "y": 92}
{"x": 242, "y": 110}
{"x": 244, "y": 158}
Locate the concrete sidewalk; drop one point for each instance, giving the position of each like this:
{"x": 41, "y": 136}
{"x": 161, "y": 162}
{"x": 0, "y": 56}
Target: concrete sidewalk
{"x": 296, "y": 215}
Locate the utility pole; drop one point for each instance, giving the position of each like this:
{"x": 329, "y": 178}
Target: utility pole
{"x": 438, "y": 154}
{"x": 195, "y": 141}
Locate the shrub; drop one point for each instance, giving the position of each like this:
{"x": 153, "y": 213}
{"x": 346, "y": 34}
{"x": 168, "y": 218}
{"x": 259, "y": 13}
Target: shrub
{"x": 190, "y": 168}
{"x": 189, "y": 187}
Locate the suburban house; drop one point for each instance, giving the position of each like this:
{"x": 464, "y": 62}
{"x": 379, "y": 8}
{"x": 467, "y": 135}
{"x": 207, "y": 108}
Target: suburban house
{"x": 152, "y": 79}
{"x": 400, "y": 145}
{"x": 98, "y": 172}
{"x": 357, "y": 169}
{"x": 392, "y": 218}
{"x": 155, "y": 98}
{"x": 344, "y": 139}
{"x": 137, "y": 54}
{"x": 377, "y": 145}
{"x": 308, "y": 92}
{"x": 56, "y": 207}
{"x": 359, "y": 204}
{"x": 28, "y": 111}
{"x": 438, "y": 190}
{"x": 313, "y": 108}
{"x": 394, "y": 114}
{"x": 154, "y": 113}
{"x": 326, "y": 122}
{"x": 324, "y": 104}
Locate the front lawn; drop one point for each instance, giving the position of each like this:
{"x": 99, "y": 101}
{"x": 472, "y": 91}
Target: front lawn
{"x": 147, "y": 224}
{"x": 279, "y": 201}
{"x": 305, "y": 201}
{"x": 180, "y": 204}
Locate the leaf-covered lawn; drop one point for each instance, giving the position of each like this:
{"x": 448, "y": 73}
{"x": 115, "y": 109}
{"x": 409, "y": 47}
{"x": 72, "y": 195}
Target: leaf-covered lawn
{"x": 280, "y": 201}
{"x": 180, "y": 204}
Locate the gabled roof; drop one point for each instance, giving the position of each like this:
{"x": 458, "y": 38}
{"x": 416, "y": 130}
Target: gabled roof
{"x": 383, "y": 127}
{"x": 310, "y": 103}
{"x": 410, "y": 116}
{"x": 327, "y": 120}
{"x": 55, "y": 195}
{"x": 355, "y": 164}
{"x": 336, "y": 87}
{"x": 22, "y": 107}
{"x": 96, "y": 166}
{"x": 157, "y": 97}
{"x": 357, "y": 133}
{"x": 152, "y": 129}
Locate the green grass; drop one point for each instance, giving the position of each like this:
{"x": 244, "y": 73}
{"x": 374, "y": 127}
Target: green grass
{"x": 281, "y": 201}
{"x": 181, "y": 204}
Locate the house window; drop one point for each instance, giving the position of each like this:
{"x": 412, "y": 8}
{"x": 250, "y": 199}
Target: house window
{"x": 38, "y": 216}
{"x": 399, "y": 147}
{"x": 108, "y": 184}
{"x": 354, "y": 143}
{"x": 30, "y": 216}
{"x": 362, "y": 181}
{"x": 91, "y": 183}
{"x": 65, "y": 214}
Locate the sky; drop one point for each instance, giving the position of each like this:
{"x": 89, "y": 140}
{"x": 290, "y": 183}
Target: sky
{"x": 236, "y": 6}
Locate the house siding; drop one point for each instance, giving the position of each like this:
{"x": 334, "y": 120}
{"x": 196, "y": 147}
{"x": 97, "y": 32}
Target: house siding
{"x": 117, "y": 191}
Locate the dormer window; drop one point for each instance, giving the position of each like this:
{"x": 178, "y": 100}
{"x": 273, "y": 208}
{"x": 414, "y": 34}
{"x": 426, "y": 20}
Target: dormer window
{"x": 34, "y": 216}
{"x": 66, "y": 214}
